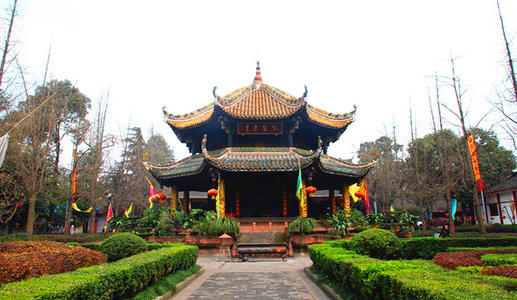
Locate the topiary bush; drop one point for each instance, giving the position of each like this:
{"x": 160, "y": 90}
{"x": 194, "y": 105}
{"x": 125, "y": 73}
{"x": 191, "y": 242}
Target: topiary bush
{"x": 377, "y": 243}
{"x": 123, "y": 245}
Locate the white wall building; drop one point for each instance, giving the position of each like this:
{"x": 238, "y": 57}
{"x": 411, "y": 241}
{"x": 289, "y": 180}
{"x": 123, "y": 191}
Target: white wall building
{"x": 501, "y": 202}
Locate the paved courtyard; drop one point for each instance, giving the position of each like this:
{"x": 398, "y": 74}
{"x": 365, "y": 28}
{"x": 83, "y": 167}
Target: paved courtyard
{"x": 261, "y": 279}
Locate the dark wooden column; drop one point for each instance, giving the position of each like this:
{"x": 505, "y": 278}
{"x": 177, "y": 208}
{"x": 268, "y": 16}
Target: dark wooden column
{"x": 332, "y": 197}
{"x": 186, "y": 201}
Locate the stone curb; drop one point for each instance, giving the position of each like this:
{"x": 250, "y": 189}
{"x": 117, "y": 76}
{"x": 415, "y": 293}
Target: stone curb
{"x": 180, "y": 286}
{"x": 326, "y": 289}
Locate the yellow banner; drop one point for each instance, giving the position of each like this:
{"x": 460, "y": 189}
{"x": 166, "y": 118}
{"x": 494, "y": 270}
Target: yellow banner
{"x": 74, "y": 206}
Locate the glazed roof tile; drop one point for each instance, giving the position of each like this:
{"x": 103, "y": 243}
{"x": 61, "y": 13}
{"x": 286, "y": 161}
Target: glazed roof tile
{"x": 329, "y": 119}
{"x": 336, "y": 166}
{"x": 191, "y": 165}
{"x": 259, "y": 102}
{"x": 262, "y": 159}
{"x": 259, "y": 159}
{"x": 191, "y": 119}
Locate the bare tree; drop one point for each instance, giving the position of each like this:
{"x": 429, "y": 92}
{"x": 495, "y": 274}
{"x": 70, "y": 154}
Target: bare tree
{"x": 37, "y": 130}
{"x": 460, "y": 115}
{"x": 506, "y": 100}
{"x": 511, "y": 70}
{"x": 97, "y": 143}
{"x": 78, "y": 136}
{"x": 5, "y": 99}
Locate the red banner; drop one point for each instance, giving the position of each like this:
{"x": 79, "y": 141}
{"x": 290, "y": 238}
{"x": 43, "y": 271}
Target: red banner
{"x": 475, "y": 163}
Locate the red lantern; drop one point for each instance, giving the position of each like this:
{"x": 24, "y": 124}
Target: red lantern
{"x": 311, "y": 190}
{"x": 212, "y": 193}
{"x": 447, "y": 215}
{"x": 161, "y": 197}
{"x": 504, "y": 217}
{"x": 491, "y": 218}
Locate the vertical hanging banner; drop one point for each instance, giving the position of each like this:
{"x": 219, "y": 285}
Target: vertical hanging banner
{"x": 109, "y": 215}
{"x": 453, "y": 208}
{"x": 363, "y": 193}
{"x": 475, "y": 163}
{"x": 222, "y": 198}
{"x": 217, "y": 198}
{"x": 128, "y": 211}
{"x": 4, "y": 141}
{"x": 152, "y": 193}
{"x": 18, "y": 205}
{"x": 301, "y": 194}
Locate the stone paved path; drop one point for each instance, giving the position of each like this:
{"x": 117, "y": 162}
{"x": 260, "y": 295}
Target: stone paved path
{"x": 264, "y": 279}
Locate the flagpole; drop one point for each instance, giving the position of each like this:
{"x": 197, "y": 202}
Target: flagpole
{"x": 483, "y": 208}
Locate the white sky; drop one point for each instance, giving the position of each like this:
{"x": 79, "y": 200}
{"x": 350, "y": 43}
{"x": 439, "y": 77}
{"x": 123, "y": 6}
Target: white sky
{"x": 375, "y": 54}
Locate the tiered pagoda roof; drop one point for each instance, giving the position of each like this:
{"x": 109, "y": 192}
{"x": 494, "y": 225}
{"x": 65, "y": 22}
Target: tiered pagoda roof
{"x": 259, "y": 159}
{"x": 254, "y": 104}
{"x": 259, "y": 101}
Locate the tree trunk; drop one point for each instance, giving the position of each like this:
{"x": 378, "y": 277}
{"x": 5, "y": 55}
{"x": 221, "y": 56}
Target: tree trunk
{"x": 68, "y": 216}
{"x": 30, "y": 217}
{"x": 91, "y": 226}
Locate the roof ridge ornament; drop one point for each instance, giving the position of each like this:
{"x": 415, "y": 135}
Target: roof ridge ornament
{"x": 257, "y": 81}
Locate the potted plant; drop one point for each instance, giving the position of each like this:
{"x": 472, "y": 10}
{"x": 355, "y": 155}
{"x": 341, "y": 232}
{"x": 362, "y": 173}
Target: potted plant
{"x": 302, "y": 226}
{"x": 373, "y": 219}
{"x": 341, "y": 222}
{"x": 407, "y": 222}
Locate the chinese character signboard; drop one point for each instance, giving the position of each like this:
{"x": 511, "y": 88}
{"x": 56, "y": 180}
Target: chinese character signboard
{"x": 259, "y": 129}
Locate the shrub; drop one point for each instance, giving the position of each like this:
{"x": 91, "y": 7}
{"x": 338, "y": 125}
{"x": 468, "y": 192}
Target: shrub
{"x": 377, "y": 243}
{"x": 22, "y": 260}
{"x": 123, "y": 245}
{"x": 369, "y": 278}
{"x": 422, "y": 247}
{"x": 117, "y": 280}
{"x": 499, "y": 259}
{"x": 452, "y": 260}
{"x": 428, "y": 247}
{"x": 507, "y": 271}
{"x": 63, "y": 238}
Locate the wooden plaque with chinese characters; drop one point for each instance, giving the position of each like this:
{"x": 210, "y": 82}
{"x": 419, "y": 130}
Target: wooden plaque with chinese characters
{"x": 259, "y": 128}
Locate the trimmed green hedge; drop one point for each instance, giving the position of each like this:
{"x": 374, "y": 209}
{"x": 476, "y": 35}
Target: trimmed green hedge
{"x": 150, "y": 246}
{"x": 120, "y": 279}
{"x": 428, "y": 247}
{"x": 499, "y": 259}
{"x": 63, "y": 238}
{"x": 371, "y": 278}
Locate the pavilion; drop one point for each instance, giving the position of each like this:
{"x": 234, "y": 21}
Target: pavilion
{"x": 251, "y": 144}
